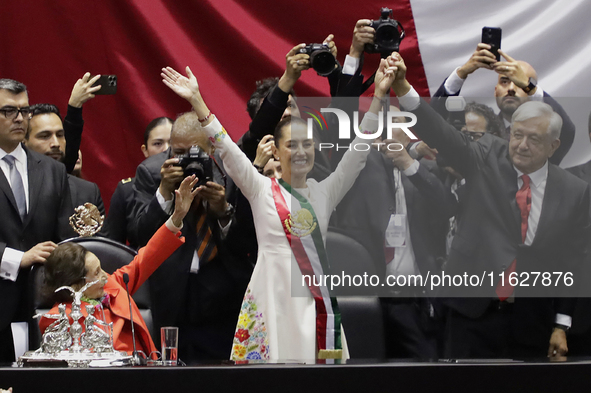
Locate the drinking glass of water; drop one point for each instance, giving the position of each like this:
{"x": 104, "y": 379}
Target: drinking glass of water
{"x": 169, "y": 337}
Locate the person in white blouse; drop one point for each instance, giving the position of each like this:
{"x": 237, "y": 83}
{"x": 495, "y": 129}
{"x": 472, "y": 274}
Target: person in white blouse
{"x": 291, "y": 219}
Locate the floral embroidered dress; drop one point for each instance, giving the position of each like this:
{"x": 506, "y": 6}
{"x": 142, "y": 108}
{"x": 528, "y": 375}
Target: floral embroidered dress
{"x": 274, "y": 324}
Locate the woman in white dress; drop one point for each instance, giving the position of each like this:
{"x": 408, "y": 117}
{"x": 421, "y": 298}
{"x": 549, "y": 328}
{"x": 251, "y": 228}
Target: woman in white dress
{"x": 274, "y": 322}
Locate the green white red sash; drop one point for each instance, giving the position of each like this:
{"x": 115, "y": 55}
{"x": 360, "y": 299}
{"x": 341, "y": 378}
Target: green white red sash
{"x": 304, "y": 236}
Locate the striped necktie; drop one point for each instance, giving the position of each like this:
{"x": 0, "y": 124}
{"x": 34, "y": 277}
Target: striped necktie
{"x": 206, "y": 247}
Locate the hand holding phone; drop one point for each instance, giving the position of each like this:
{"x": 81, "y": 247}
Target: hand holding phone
{"x": 108, "y": 84}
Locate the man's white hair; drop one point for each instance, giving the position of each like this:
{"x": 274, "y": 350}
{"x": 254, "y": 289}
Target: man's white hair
{"x": 533, "y": 109}
{"x": 187, "y": 125}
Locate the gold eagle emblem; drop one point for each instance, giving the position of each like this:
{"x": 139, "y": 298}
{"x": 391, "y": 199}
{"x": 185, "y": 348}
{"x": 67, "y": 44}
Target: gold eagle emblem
{"x": 300, "y": 223}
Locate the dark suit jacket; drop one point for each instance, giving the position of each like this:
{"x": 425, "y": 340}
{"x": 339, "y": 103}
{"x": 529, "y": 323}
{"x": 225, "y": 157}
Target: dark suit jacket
{"x": 582, "y": 314}
{"x": 216, "y": 291}
{"x": 567, "y": 134}
{"x": 73, "y": 126}
{"x": 83, "y": 191}
{"x": 365, "y": 211}
{"x": 119, "y": 222}
{"x": 488, "y": 236}
{"x": 49, "y": 209}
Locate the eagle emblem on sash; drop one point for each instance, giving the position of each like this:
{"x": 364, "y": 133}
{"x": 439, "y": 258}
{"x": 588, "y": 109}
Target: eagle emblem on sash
{"x": 301, "y": 223}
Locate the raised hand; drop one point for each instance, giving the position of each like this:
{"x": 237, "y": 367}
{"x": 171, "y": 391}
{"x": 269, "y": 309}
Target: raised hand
{"x": 400, "y": 85}
{"x": 187, "y": 88}
{"x": 385, "y": 75}
{"x": 481, "y": 58}
{"x": 184, "y": 86}
{"x": 83, "y": 90}
{"x": 296, "y": 62}
{"x": 184, "y": 198}
{"x": 362, "y": 34}
{"x": 331, "y": 45}
{"x": 264, "y": 151}
{"x": 512, "y": 69}
{"x": 215, "y": 195}
{"x": 170, "y": 175}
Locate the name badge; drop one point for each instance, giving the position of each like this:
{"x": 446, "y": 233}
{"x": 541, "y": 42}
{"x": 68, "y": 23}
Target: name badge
{"x": 396, "y": 231}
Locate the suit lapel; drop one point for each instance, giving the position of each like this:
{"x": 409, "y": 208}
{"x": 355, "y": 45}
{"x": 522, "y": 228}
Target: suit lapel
{"x": 551, "y": 202}
{"x": 73, "y": 191}
{"x": 35, "y": 173}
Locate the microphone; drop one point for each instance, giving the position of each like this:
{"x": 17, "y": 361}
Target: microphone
{"x": 136, "y": 360}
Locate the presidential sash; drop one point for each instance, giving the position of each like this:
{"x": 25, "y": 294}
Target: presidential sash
{"x": 304, "y": 236}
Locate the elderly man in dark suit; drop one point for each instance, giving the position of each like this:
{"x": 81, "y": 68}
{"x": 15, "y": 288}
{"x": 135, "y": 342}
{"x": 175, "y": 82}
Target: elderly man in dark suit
{"x": 523, "y": 215}
{"x": 200, "y": 287}
{"x": 34, "y": 205}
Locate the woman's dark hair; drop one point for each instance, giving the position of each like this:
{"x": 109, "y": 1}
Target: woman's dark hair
{"x": 153, "y": 124}
{"x": 65, "y": 266}
{"x": 278, "y": 133}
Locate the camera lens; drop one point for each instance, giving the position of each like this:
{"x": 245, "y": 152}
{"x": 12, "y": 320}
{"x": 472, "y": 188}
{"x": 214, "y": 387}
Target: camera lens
{"x": 386, "y": 35}
{"x": 323, "y": 62}
{"x": 195, "y": 168}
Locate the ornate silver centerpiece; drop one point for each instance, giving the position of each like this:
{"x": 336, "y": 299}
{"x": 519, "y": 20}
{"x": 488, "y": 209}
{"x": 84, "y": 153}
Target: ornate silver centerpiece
{"x": 65, "y": 342}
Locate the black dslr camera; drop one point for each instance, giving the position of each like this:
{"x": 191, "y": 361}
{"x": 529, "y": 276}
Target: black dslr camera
{"x": 389, "y": 33}
{"x": 321, "y": 59}
{"x": 197, "y": 162}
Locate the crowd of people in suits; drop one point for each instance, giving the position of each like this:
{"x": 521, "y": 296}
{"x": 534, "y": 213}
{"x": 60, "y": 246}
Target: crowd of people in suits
{"x": 480, "y": 192}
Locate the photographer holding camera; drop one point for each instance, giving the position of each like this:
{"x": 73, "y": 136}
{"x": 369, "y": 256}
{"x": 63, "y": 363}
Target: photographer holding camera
{"x": 273, "y": 101}
{"x": 200, "y": 287}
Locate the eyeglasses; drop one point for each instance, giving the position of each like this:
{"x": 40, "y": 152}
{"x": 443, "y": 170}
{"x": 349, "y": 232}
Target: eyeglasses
{"x": 473, "y": 135}
{"x": 11, "y": 113}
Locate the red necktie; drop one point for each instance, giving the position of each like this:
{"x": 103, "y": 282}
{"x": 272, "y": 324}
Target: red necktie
{"x": 388, "y": 253}
{"x": 523, "y": 199}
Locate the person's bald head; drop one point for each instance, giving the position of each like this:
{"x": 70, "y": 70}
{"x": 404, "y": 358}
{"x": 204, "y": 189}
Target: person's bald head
{"x": 530, "y": 72}
{"x": 187, "y": 132}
